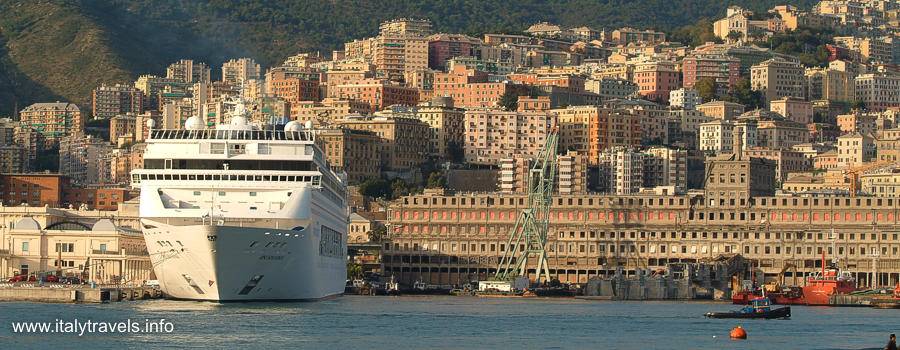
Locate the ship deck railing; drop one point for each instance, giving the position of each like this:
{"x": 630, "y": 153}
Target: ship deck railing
{"x": 212, "y": 134}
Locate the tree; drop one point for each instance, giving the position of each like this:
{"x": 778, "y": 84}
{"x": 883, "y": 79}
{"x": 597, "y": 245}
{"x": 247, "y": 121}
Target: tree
{"x": 48, "y": 160}
{"x": 377, "y": 234}
{"x": 375, "y": 188}
{"x": 354, "y": 271}
{"x": 455, "y": 152}
{"x": 734, "y": 35}
{"x": 757, "y": 34}
{"x": 509, "y": 100}
{"x": 745, "y": 95}
{"x": 696, "y": 34}
{"x": 436, "y": 180}
{"x": 706, "y": 88}
{"x": 399, "y": 188}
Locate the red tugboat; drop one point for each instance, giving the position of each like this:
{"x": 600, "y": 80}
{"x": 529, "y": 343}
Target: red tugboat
{"x": 821, "y": 286}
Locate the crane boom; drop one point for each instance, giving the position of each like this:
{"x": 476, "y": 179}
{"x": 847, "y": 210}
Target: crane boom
{"x": 528, "y": 237}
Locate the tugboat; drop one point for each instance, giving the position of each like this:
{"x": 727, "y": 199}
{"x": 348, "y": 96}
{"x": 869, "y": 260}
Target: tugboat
{"x": 821, "y": 286}
{"x": 758, "y": 308}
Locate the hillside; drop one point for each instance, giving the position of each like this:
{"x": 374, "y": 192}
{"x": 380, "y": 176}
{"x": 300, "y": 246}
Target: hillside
{"x": 62, "y": 49}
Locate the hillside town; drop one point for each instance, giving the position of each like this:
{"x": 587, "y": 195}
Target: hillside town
{"x": 755, "y": 141}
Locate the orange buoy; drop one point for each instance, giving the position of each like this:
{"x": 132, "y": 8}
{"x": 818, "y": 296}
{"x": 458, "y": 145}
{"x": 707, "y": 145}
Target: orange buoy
{"x": 738, "y": 333}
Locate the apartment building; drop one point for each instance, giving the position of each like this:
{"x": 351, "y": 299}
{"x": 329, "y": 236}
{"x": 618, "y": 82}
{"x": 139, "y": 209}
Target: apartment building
{"x": 110, "y": 101}
{"x": 378, "y": 94}
{"x": 780, "y": 134}
{"x": 591, "y": 129}
{"x": 777, "y": 78}
{"x": 655, "y": 79}
{"x": 611, "y": 88}
{"x": 854, "y": 150}
{"x": 188, "y": 71}
{"x": 793, "y": 109}
{"x": 627, "y": 35}
{"x": 404, "y": 141}
{"x": 447, "y": 130}
{"x": 684, "y": 99}
{"x": 327, "y": 111}
{"x": 53, "y": 121}
{"x": 492, "y": 135}
{"x": 665, "y": 167}
{"x": 237, "y": 72}
{"x": 829, "y": 84}
{"x": 355, "y": 152}
{"x": 571, "y": 173}
{"x": 857, "y": 122}
{"x": 401, "y": 46}
{"x": 621, "y": 171}
{"x": 152, "y": 87}
{"x": 721, "y": 109}
{"x": 878, "y": 91}
{"x": 716, "y": 136}
{"x": 443, "y": 47}
{"x": 882, "y": 182}
{"x": 79, "y": 159}
{"x": 723, "y": 69}
{"x": 870, "y": 49}
{"x": 786, "y": 161}
{"x": 470, "y": 88}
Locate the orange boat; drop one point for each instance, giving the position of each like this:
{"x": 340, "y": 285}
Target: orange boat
{"x": 821, "y": 286}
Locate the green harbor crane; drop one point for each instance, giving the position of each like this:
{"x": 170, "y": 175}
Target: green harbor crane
{"x": 528, "y": 238}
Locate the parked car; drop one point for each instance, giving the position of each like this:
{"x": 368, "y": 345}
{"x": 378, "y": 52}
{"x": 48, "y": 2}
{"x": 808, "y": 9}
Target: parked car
{"x": 22, "y": 278}
{"x": 70, "y": 280}
{"x": 14, "y": 279}
{"x": 51, "y": 279}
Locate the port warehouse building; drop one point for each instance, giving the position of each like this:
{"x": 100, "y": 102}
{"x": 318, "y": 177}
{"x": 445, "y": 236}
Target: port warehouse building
{"x": 457, "y": 238}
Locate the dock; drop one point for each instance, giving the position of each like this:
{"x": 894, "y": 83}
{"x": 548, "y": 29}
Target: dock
{"x": 678, "y": 281}
{"x": 75, "y": 294}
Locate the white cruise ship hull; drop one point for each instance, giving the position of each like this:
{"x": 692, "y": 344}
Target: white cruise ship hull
{"x": 242, "y": 212}
{"x": 232, "y": 263}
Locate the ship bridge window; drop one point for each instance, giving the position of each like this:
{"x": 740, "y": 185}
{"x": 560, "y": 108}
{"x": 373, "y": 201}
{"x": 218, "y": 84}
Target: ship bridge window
{"x": 233, "y": 164}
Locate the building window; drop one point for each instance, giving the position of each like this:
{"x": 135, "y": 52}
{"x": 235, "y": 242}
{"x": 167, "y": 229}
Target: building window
{"x": 65, "y": 247}
{"x": 103, "y": 247}
{"x": 25, "y": 249}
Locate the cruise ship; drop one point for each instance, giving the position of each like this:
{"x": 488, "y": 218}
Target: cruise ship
{"x": 241, "y": 213}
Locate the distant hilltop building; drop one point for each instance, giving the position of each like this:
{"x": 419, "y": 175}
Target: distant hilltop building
{"x": 188, "y": 71}
{"x": 400, "y": 47}
{"x": 236, "y": 72}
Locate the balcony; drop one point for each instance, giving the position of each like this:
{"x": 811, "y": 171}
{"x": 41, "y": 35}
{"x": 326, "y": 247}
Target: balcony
{"x": 104, "y": 252}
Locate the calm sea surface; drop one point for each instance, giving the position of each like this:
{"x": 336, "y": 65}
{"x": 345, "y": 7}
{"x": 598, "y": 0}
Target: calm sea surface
{"x": 440, "y": 322}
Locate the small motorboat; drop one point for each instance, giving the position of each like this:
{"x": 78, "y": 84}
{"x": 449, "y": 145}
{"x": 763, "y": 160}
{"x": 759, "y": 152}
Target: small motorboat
{"x": 758, "y": 308}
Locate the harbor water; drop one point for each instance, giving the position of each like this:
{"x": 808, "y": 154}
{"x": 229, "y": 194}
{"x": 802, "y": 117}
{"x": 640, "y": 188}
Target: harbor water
{"x": 444, "y": 322}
